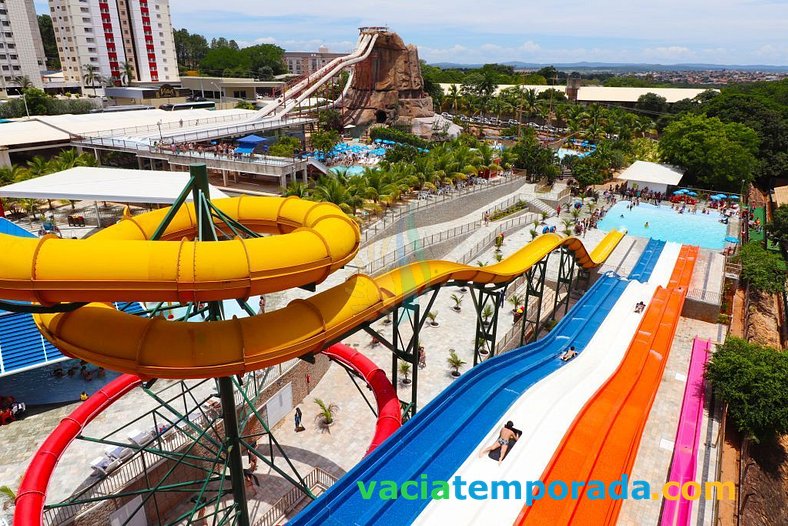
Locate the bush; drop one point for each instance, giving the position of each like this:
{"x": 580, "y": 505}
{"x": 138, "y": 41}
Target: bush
{"x": 762, "y": 269}
{"x": 753, "y": 381}
{"x": 285, "y": 147}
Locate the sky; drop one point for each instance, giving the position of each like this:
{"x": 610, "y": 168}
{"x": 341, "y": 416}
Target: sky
{"x": 478, "y": 31}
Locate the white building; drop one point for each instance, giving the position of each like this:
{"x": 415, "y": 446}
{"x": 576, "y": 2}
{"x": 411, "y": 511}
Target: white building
{"x": 21, "y": 49}
{"x": 108, "y": 34}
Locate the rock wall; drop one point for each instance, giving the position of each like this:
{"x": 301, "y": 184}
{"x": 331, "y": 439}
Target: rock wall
{"x": 388, "y": 85}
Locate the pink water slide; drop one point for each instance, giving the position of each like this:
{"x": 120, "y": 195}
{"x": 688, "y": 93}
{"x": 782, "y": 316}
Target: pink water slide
{"x": 685, "y": 452}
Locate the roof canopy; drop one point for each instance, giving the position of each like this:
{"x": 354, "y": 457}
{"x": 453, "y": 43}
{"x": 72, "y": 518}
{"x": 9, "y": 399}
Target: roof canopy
{"x": 105, "y": 184}
{"x": 253, "y": 139}
{"x": 781, "y": 195}
{"x": 654, "y": 173}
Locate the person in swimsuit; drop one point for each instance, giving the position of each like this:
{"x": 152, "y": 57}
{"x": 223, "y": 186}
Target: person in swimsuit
{"x": 569, "y": 354}
{"x": 506, "y": 434}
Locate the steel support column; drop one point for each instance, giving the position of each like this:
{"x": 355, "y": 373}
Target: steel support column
{"x": 563, "y": 287}
{"x": 487, "y": 301}
{"x": 534, "y": 277}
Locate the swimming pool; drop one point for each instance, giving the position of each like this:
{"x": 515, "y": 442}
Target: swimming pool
{"x": 563, "y": 152}
{"x": 353, "y": 170}
{"x": 703, "y": 230}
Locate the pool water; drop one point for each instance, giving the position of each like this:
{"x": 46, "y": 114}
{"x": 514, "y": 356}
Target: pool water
{"x": 353, "y": 170}
{"x": 703, "y": 230}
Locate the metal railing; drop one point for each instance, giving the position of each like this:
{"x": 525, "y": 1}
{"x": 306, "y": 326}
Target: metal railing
{"x": 531, "y": 203}
{"x": 165, "y": 126}
{"x": 317, "y": 478}
{"x": 505, "y": 227}
{"x": 391, "y": 259}
{"x": 262, "y": 164}
{"x": 389, "y": 220}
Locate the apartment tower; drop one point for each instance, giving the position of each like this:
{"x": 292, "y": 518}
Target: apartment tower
{"x": 21, "y": 49}
{"x": 123, "y": 40}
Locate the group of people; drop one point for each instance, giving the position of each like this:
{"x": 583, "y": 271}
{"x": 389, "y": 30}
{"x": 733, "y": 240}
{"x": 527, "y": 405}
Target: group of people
{"x": 10, "y": 409}
{"x": 83, "y": 370}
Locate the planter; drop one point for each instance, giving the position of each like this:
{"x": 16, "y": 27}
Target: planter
{"x": 485, "y": 324}
{"x": 434, "y": 324}
{"x": 456, "y": 309}
{"x": 406, "y": 381}
{"x": 386, "y": 321}
{"x": 455, "y": 374}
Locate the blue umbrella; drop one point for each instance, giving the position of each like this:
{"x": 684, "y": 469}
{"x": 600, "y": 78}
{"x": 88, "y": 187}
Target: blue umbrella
{"x": 722, "y": 196}
{"x": 692, "y": 194}
{"x": 679, "y": 192}
{"x": 731, "y": 239}
{"x": 715, "y": 198}
{"x": 734, "y": 197}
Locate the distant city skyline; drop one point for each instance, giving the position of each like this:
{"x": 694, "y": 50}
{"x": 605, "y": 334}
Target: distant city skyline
{"x": 740, "y": 32}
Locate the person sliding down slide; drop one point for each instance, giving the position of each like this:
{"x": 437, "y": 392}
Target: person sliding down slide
{"x": 507, "y": 434}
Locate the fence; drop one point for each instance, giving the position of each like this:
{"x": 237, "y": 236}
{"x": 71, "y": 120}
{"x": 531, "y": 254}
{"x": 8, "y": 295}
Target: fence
{"x": 390, "y": 219}
{"x": 505, "y": 227}
{"x": 317, "y": 478}
{"x": 391, "y": 259}
{"x": 705, "y": 296}
{"x": 533, "y": 204}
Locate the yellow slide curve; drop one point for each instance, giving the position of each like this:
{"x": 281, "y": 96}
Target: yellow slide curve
{"x": 309, "y": 241}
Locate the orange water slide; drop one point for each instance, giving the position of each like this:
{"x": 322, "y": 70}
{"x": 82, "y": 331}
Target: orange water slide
{"x": 603, "y": 441}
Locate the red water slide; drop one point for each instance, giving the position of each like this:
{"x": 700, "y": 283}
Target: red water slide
{"x": 32, "y": 492}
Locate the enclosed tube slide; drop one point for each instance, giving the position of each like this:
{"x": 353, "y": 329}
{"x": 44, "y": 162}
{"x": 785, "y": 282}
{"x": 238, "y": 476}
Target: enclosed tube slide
{"x": 120, "y": 264}
{"x": 32, "y": 492}
{"x": 603, "y": 441}
{"x": 685, "y": 452}
{"x": 31, "y": 496}
{"x": 389, "y": 413}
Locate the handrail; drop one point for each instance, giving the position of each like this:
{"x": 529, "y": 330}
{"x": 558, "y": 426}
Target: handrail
{"x": 317, "y": 478}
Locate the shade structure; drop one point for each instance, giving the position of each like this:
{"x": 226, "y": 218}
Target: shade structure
{"x": 731, "y": 239}
{"x": 105, "y": 184}
{"x": 244, "y": 149}
{"x": 253, "y": 139}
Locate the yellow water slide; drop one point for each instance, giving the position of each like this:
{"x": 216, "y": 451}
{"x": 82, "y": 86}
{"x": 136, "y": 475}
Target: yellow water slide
{"x": 307, "y": 242}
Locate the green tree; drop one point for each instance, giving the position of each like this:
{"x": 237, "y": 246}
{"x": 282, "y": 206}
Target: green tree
{"x": 753, "y": 381}
{"x": 49, "y": 41}
{"x": 325, "y": 140}
{"x": 652, "y": 103}
{"x": 221, "y": 59}
{"x": 245, "y": 105}
{"x": 329, "y": 120}
{"x": 91, "y": 76}
{"x": 36, "y": 101}
{"x": 265, "y": 56}
{"x": 126, "y": 73}
{"x": 778, "y": 229}
{"x": 285, "y": 147}
{"x": 762, "y": 269}
{"x": 715, "y": 155}
{"x": 190, "y": 49}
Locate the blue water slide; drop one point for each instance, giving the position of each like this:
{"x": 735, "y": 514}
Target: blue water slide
{"x": 648, "y": 260}
{"x": 438, "y": 439}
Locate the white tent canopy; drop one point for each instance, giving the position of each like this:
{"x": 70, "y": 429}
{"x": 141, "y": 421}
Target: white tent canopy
{"x": 106, "y": 184}
{"x": 655, "y": 176}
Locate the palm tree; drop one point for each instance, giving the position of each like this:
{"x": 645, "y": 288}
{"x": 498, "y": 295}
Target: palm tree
{"x": 530, "y": 102}
{"x": 12, "y": 174}
{"x": 454, "y": 98}
{"x": 38, "y": 166}
{"x": 126, "y": 72}
{"x": 91, "y": 76}
{"x": 23, "y": 81}
{"x": 297, "y": 189}
{"x": 327, "y": 413}
{"x": 404, "y": 370}
{"x": 455, "y": 362}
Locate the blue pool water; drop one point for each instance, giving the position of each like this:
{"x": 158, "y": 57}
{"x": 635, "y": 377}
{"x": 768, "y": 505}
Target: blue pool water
{"x": 703, "y": 230}
{"x": 563, "y": 152}
{"x": 353, "y": 170}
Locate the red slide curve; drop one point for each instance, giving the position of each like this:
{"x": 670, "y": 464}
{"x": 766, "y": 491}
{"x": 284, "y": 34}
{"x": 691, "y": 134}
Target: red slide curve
{"x": 389, "y": 412}
{"x": 31, "y": 497}
{"x": 32, "y": 493}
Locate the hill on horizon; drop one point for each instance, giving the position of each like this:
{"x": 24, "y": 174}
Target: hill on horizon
{"x": 619, "y": 67}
